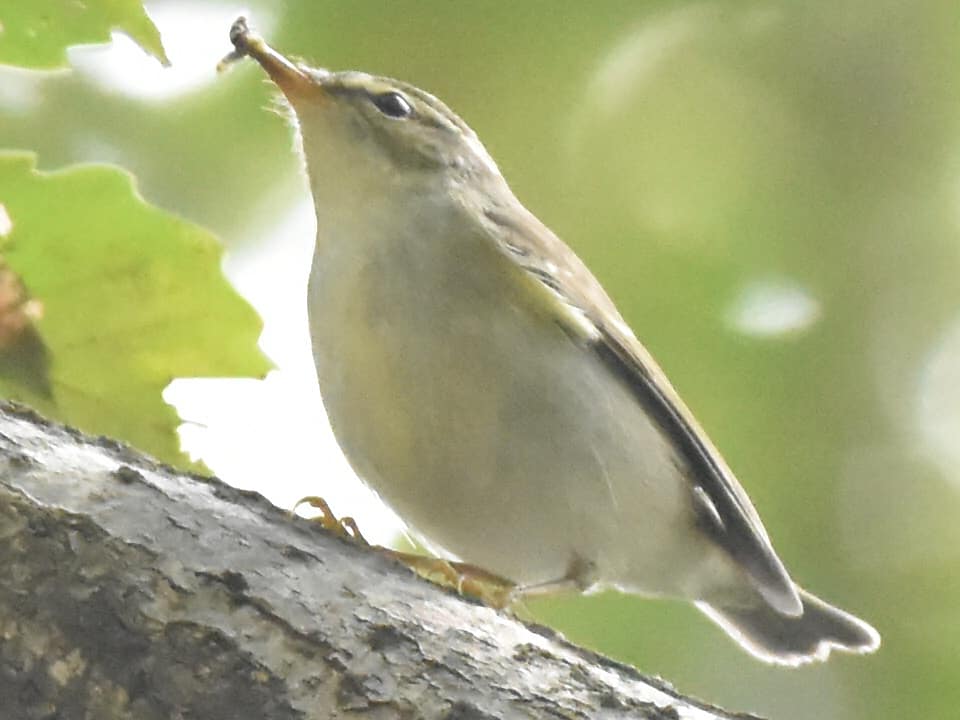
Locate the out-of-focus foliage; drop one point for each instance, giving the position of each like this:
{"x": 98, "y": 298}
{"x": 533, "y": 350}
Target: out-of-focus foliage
{"x": 37, "y": 33}
{"x": 104, "y": 299}
{"x": 131, "y": 297}
{"x": 769, "y": 190}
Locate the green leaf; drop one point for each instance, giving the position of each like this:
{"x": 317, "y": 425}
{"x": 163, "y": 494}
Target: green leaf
{"x": 37, "y": 33}
{"x": 131, "y": 298}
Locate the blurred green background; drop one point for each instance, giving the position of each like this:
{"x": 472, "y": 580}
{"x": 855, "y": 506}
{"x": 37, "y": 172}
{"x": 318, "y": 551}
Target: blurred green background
{"x": 769, "y": 190}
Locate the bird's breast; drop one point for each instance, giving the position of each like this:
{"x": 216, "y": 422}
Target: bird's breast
{"x": 410, "y": 337}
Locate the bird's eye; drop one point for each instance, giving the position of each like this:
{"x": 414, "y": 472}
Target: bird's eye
{"x": 392, "y": 104}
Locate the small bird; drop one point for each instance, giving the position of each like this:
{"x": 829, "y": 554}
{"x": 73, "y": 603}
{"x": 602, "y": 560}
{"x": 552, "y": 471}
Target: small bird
{"x": 480, "y": 380}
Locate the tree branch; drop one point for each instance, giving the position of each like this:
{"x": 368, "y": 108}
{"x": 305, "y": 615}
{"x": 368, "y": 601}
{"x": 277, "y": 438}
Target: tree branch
{"x": 130, "y": 590}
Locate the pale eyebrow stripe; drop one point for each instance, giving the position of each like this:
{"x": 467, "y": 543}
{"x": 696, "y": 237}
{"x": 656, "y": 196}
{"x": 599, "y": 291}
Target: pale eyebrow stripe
{"x": 428, "y": 109}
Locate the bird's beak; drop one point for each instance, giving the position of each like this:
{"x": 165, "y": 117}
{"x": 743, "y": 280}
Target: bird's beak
{"x": 294, "y": 81}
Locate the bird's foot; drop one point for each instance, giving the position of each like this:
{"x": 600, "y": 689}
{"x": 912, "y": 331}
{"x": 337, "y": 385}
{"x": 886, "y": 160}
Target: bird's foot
{"x": 467, "y": 580}
{"x": 345, "y": 527}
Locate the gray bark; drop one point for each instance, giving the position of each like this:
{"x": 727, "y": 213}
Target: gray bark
{"x": 131, "y": 590}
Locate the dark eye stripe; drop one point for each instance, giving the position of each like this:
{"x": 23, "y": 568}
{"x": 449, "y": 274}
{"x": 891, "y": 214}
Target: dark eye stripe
{"x": 392, "y": 104}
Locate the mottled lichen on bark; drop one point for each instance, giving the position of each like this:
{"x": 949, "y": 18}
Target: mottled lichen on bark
{"x": 82, "y": 643}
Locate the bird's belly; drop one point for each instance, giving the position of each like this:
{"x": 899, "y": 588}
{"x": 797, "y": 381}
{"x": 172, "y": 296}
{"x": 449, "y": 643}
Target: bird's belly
{"x": 494, "y": 435}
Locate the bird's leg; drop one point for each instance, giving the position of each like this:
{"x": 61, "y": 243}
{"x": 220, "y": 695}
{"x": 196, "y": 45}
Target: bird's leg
{"x": 544, "y": 589}
{"x": 579, "y": 576}
{"x": 468, "y": 580}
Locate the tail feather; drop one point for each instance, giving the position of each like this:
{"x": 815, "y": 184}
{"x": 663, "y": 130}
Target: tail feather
{"x": 784, "y": 640}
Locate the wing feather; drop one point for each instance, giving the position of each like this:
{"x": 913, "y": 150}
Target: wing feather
{"x": 732, "y": 520}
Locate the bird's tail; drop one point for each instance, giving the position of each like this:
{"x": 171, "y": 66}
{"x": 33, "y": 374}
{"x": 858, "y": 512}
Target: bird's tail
{"x": 785, "y": 640}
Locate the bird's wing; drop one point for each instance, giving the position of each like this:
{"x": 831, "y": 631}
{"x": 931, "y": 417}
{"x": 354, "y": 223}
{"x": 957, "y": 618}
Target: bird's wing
{"x": 589, "y": 314}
